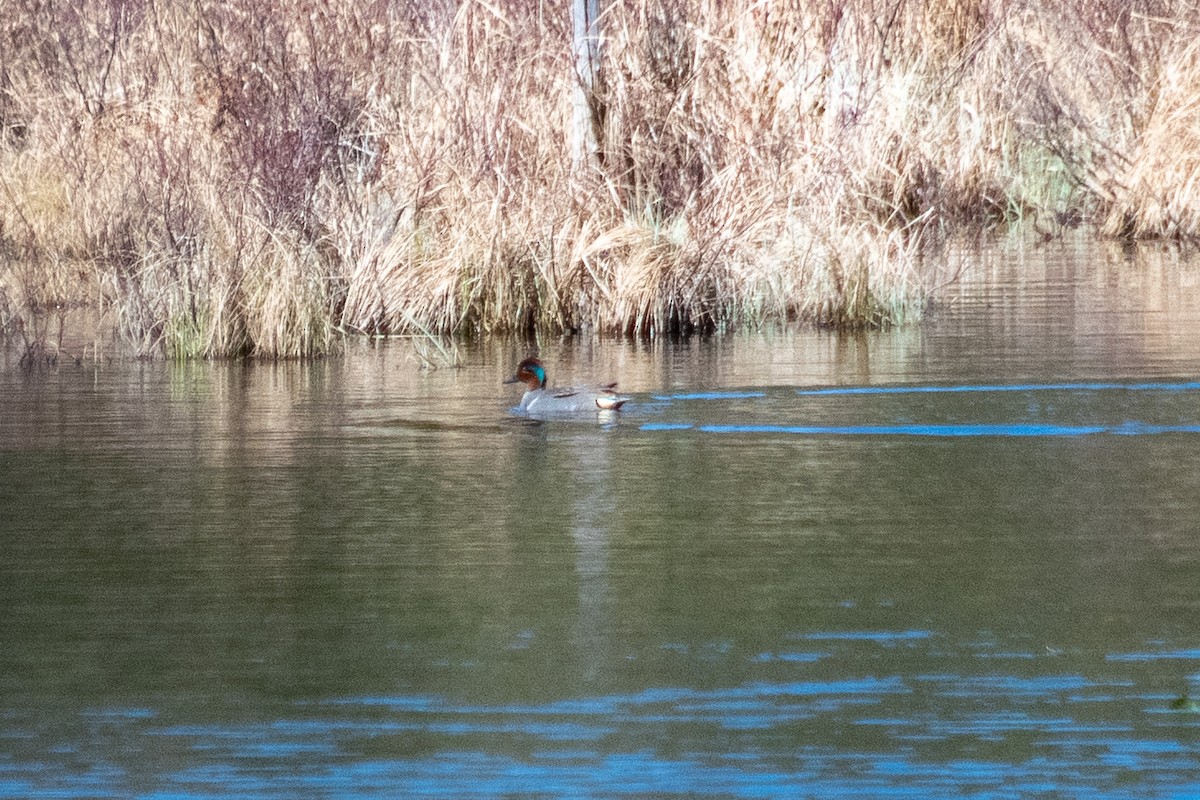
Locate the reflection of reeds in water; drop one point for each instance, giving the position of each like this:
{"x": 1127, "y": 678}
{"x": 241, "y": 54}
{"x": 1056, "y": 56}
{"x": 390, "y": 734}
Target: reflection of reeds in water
{"x": 256, "y": 179}
{"x": 432, "y": 351}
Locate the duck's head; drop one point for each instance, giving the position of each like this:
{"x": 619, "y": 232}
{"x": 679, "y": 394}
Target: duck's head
{"x": 531, "y": 373}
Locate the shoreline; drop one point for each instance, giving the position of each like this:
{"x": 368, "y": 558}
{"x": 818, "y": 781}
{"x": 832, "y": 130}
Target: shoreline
{"x": 964, "y": 278}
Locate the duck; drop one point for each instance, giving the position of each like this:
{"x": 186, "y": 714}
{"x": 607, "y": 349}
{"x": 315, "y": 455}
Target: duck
{"x": 538, "y": 400}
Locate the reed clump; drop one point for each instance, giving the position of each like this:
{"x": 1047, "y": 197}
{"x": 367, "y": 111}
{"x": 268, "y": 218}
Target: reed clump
{"x": 261, "y": 177}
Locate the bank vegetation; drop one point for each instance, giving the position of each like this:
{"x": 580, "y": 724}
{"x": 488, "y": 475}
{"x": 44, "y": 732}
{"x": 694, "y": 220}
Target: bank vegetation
{"x": 231, "y": 177}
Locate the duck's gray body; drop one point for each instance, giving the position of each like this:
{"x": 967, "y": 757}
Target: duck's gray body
{"x": 569, "y": 401}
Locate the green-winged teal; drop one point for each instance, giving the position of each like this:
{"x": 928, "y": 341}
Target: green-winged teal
{"x": 539, "y": 400}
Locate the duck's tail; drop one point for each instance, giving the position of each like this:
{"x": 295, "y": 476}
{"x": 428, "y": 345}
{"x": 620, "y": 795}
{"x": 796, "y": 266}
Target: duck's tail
{"x": 610, "y": 402}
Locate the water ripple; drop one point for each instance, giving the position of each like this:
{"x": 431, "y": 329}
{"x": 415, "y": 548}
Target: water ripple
{"x": 1187, "y": 386}
{"x": 1017, "y": 429}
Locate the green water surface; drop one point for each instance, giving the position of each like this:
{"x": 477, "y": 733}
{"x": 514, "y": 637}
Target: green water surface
{"x": 357, "y": 578}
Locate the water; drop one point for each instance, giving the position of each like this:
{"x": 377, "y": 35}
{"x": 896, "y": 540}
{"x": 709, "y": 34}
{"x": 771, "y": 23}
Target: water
{"x": 950, "y": 561}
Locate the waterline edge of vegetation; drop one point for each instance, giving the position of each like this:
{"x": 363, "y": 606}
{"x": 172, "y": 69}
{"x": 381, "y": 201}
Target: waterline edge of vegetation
{"x": 230, "y": 179}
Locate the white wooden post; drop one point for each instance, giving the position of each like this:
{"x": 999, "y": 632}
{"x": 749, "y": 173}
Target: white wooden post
{"x": 586, "y": 40}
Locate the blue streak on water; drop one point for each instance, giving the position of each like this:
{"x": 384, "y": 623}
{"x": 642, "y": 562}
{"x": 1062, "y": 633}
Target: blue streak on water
{"x": 788, "y": 657}
{"x": 1163, "y": 655}
{"x": 1187, "y": 386}
{"x": 1018, "y": 428}
{"x": 420, "y": 702}
{"x": 868, "y": 636}
{"x": 1137, "y": 428}
{"x": 1012, "y": 686}
{"x": 1015, "y": 429}
{"x": 710, "y": 396}
{"x": 637, "y": 774}
{"x": 607, "y": 705}
{"x": 118, "y": 714}
{"x": 978, "y": 429}
{"x": 323, "y": 757}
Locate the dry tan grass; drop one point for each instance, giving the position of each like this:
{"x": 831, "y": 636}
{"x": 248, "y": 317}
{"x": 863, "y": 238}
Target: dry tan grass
{"x": 1158, "y": 193}
{"x": 258, "y": 176}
